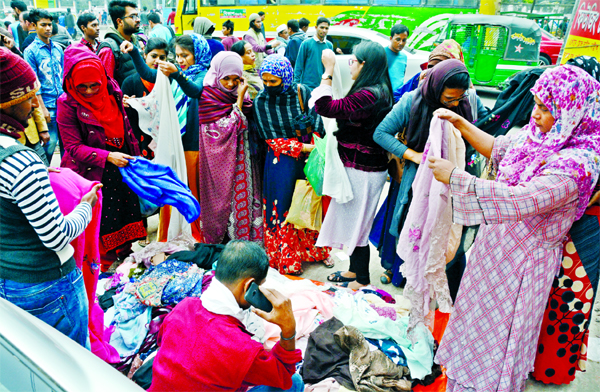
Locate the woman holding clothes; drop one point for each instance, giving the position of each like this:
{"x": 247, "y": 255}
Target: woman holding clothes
{"x": 98, "y": 140}
{"x": 193, "y": 58}
{"x": 255, "y": 84}
{"x": 446, "y": 85}
{"x": 563, "y": 342}
{"x": 545, "y": 177}
{"x": 285, "y": 126}
{"x": 230, "y": 192}
{"x": 358, "y": 114}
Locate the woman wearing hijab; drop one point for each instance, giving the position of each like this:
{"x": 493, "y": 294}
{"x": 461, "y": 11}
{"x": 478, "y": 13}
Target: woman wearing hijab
{"x": 545, "y": 177}
{"x": 193, "y": 59}
{"x": 204, "y": 27}
{"x": 98, "y": 140}
{"x": 286, "y": 128}
{"x": 563, "y": 341}
{"x": 253, "y": 79}
{"x": 445, "y": 86}
{"x": 230, "y": 193}
{"x": 358, "y": 114}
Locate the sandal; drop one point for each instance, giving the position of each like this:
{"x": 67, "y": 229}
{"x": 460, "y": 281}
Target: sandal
{"x": 386, "y": 277}
{"x": 337, "y": 277}
{"x": 329, "y": 262}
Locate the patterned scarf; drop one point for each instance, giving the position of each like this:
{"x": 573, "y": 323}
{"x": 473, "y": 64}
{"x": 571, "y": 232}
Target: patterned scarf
{"x": 447, "y": 50}
{"x": 202, "y": 58}
{"x": 279, "y": 115}
{"x": 216, "y": 104}
{"x": 572, "y": 146}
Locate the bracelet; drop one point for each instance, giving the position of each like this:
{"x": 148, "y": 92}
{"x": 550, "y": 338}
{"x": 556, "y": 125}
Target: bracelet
{"x": 290, "y": 338}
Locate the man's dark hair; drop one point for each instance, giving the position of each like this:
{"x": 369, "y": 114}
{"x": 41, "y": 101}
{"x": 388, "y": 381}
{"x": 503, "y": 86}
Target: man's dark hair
{"x": 68, "y": 10}
{"x": 145, "y": 8}
{"x": 323, "y": 19}
{"x": 241, "y": 260}
{"x": 261, "y": 13}
{"x": 84, "y": 20}
{"x": 26, "y": 17}
{"x": 18, "y": 4}
{"x": 293, "y": 25}
{"x": 399, "y": 29}
{"x": 38, "y": 14}
{"x": 239, "y": 48}
{"x": 54, "y": 28}
{"x": 229, "y": 25}
{"x": 154, "y": 18}
{"x": 173, "y": 9}
{"x": 7, "y": 23}
{"x": 116, "y": 9}
{"x": 303, "y": 22}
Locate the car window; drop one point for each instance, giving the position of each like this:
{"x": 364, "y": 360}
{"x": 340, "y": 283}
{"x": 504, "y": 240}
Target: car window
{"x": 346, "y": 44}
{"x": 17, "y": 376}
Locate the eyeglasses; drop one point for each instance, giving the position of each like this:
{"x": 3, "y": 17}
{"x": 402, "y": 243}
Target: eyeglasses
{"x": 350, "y": 61}
{"x": 83, "y": 89}
{"x": 132, "y": 16}
{"x": 461, "y": 98}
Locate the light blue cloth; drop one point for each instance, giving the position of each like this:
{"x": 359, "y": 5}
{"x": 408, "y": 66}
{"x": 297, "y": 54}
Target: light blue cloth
{"x": 160, "y": 31}
{"x": 47, "y": 61}
{"x": 297, "y": 386}
{"x": 159, "y": 185}
{"x": 396, "y": 67}
{"x": 130, "y": 321}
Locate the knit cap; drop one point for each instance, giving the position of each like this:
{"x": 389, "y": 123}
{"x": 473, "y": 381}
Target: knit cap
{"x": 253, "y": 17}
{"x": 18, "y": 82}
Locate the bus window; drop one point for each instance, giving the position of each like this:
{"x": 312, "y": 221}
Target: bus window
{"x": 346, "y": 44}
{"x": 190, "y": 7}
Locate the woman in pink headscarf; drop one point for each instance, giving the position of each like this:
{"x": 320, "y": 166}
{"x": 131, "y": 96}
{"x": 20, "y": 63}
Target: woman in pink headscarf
{"x": 229, "y": 193}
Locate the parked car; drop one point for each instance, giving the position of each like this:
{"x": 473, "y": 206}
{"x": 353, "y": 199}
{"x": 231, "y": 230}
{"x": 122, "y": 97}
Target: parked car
{"x": 549, "y": 49}
{"x": 36, "y": 357}
{"x": 346, "y": 38}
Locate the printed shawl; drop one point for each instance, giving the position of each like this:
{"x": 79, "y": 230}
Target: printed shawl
{"x": 572, "y": 146}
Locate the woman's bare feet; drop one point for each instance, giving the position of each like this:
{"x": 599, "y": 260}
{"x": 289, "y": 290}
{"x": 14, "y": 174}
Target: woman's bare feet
{"x": 354, "y": 285}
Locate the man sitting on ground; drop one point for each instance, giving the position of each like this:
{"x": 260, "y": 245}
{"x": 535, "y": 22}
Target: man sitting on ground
{"x": 205, "y": 347}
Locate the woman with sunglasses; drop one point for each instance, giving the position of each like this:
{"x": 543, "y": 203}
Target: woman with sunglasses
{"x": 98, "y": 141}
{"x": 358, "y": 114}
{"x": 446, "y": 86}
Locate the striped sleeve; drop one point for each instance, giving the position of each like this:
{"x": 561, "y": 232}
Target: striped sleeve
{"x": 25, "y": 180}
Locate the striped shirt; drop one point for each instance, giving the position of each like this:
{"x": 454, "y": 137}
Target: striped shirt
{"x": 24, "y": 180}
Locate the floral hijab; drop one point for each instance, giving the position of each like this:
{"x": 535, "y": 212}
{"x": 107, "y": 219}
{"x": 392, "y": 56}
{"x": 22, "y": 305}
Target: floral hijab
{"x": 202, "y": 56}
{"x": 572, "y": 147}
{"x": 279, "y": 66}
{"x": 447, "y": 50}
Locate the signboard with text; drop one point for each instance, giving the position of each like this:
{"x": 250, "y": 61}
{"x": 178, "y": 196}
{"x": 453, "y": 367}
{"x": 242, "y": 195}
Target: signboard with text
{"x": 584, "y": 36}
{"x": 232, "y": 13}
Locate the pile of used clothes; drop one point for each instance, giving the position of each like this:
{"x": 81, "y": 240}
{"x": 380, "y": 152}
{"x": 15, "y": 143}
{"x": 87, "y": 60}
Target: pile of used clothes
{"x": 350, "y": 340}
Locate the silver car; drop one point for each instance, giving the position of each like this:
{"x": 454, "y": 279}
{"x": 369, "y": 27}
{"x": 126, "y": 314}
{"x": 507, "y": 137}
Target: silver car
{"x": 36, "y": 357}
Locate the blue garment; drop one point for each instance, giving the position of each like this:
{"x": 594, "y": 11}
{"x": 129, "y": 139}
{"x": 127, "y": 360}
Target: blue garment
{"x": 27, "y": 41}
{"x": 160, "y": 31}
{"x": 130, "y": 321}
{"x": 215, "y": 46}
{"x": 159, "y": 185}
{"x": 61, "y": 303}
{"x": 297, "y": 386}
{"x": 278, "y": 66}
{"x": 392, "y": 350}
{"x": 47, "y": 62}
{"x": 396, "y": 67}
{"x": 309, "y": 67}
{"x": 407, "y": 87}
{"x": 54, "y": 138}
{"x": 293, "y": 46}
{"x": 15, "y": 33}
{"x": 61, "y": 20}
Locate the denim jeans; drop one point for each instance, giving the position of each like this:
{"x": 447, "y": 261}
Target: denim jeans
{"x": 54, "y": 138}
{"x": 60, "y": 303}
{"x": 297, "y": 386}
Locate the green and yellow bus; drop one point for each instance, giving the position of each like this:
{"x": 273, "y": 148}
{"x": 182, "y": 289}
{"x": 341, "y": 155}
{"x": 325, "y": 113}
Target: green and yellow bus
{"x": 379, "y": 15}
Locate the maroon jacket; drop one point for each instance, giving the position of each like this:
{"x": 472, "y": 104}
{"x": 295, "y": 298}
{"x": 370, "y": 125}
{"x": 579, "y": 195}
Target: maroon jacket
{"x": 83, "y": 136}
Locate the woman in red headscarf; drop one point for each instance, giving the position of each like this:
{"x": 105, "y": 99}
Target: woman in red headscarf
{"x": 98, "y": 140}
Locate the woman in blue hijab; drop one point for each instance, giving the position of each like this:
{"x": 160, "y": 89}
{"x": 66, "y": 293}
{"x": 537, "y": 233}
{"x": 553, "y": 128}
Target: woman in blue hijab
{"x": 193, "y": 59}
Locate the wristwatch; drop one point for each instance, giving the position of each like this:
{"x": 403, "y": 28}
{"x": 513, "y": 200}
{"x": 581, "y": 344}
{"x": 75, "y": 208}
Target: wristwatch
{"x": 326, "y": 76}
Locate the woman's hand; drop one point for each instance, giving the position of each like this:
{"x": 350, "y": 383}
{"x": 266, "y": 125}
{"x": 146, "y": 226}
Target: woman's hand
{"x": 413, "y": 156}
{"x": 328, "y": 59}
{"x": 595, "y": 199}
{"x": 92, "y": 197}
{"x": 44, "y": 137}
{"x": 126, "y": 99}
{"x": 307, "y": 147}
{"x": 126, "y": 47}
{"x": 274, "y": 43}
{"x": 442, "y": 169}
{"x": 449, "y": 115}
{"x": 166, "y": 67}
{"x": 119, "y": 159}
{"x": 242, "y": 87}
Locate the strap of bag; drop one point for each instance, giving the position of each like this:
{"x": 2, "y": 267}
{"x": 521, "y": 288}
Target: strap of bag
{"x": 301, "y": 102}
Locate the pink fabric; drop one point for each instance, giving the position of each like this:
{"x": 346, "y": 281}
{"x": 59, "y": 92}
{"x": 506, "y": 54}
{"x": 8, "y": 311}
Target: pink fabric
{"x": 306, "y": 306}
{"x": 69, "y": 188}
{"x": 224, "y": 64}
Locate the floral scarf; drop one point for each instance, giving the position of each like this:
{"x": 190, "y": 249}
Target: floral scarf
{"x": 202, "y": 57}
{"x": 449, "y": 49}
{"x": 572, "y": 147}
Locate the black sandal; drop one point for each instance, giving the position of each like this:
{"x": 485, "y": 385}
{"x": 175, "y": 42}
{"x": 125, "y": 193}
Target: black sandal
{"x": 337, "y": 277}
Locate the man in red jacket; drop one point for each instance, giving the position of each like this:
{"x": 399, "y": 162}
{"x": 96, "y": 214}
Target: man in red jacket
{"x": 204, "y": 346}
